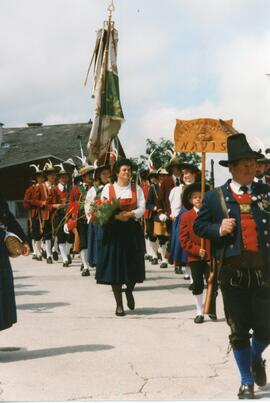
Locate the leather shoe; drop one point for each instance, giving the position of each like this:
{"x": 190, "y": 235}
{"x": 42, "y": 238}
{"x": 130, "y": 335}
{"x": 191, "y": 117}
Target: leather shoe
{"x": 49, "y": 260}
{"x": 154, "y": 260}
{"x": 69, "y": 259}
{"x": 246, "y": 392}
{"x": 130, "y": 299}
{"x": 65, "y": 264}
{"x": 119, "y": 311}
{"x": 85, "y": 272}
{"x": 178, "y": 270}
{"x": 163, "y": 265}
{"x": 55, "y": 255}
{"x": 212, "y": 316}
{"x": 258, "y": 372}
{"x": 199, "y": 319}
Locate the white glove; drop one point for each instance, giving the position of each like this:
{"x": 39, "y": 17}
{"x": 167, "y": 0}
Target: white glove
{"x": 162, "y": 217}
{"x": 66, "y": 231}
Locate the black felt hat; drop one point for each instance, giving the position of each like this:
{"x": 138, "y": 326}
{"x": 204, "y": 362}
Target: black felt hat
{"x": 191, "y": 167}
{"x": 101, "y": 168}
{"x": 188, "y": 190}
{"x": 175, "y": 162}
{"x": 152, "y": 173}
{"x": 239, "y": 149}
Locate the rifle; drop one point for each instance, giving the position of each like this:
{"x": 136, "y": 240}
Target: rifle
{"x": 211, "y": 293}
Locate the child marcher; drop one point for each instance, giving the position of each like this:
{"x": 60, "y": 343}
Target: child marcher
{"x": 198, "y": 256}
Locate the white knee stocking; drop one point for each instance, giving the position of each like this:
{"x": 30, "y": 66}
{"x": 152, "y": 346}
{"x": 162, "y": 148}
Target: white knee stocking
{"x": 153, "y": 249}
{"x": 84, "y": 253}
{"x": 199, "y": 303}
{"x": 34, "y": 247}
{"x": 48, "y": 247}
{"x": 68, "y": 246}
{"x": 63, "y": 251}
{"x": 163, "y": 252}
{"x": 38, "y": 248}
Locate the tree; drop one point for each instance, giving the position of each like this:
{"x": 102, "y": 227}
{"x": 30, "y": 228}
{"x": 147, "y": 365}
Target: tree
{"x": 162, "y": 153}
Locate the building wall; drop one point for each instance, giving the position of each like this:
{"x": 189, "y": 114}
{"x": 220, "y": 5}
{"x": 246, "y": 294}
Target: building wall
{"x": 19, "y": 212}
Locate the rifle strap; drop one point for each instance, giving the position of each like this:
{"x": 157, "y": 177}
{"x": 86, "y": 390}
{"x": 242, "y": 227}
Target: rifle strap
{"x": 225, "y": 215}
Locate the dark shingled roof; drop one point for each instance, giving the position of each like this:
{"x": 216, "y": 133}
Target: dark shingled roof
{"x": 23, "y": 144}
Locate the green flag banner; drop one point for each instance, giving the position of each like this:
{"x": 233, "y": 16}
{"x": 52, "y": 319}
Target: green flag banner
{"x": 108, "y": 115}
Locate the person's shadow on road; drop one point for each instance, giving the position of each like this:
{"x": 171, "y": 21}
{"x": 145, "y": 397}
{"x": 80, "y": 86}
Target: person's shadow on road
{"x": 166, "y": 309}
{"x": 160, "y": 287}
{"x": 45, "y": 307}
{"x": 23, "y": 355}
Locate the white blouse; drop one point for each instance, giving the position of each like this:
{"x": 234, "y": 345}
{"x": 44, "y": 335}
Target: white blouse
{"x": 124, "y": 192}
{"x": 175, "y": 199}
{"x": 90, "y": 197}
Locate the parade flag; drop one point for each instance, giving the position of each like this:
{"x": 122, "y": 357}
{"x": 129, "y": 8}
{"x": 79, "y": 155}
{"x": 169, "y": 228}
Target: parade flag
{"x": 108, "y": 116}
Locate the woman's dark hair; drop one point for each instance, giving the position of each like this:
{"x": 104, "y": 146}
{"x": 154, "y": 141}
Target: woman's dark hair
{"x": 118, "y": 165}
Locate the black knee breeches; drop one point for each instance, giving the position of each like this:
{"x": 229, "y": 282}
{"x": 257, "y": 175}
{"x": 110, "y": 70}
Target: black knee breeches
{"x": 199, "y": 270}
{"x": 246, "y": 299}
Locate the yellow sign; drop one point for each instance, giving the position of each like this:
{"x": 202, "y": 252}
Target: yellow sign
{"x": 202, "y": 135}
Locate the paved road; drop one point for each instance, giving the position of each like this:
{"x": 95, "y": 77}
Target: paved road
{"x": 71, "y": 346}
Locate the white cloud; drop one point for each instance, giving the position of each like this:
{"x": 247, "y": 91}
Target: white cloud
{"x": 177, "y": 59}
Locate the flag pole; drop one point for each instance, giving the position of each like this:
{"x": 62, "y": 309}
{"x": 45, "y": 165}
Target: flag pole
{"x": 203, "y": 174}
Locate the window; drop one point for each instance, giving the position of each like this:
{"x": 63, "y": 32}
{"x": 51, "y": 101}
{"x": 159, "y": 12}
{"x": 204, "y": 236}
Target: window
{"x": 20, "y": 211}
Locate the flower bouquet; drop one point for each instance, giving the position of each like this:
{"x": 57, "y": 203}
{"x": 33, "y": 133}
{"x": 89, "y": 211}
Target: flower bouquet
{"x": 103, "y": 211}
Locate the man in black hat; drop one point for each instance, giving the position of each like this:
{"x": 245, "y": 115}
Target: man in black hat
{"x": 234, "y": 217}
{"x": 262, "y": 170}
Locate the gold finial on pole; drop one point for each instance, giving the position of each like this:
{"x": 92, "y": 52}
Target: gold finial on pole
{"x": 111, "y": 9}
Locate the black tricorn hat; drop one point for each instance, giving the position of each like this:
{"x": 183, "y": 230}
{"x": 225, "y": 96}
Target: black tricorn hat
{"x": 239, "y": 149}
{"x": 189, "y": 189}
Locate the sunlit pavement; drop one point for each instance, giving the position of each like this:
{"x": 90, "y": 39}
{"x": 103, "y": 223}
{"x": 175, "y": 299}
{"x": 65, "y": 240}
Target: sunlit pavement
{"x": 69, "y": 345}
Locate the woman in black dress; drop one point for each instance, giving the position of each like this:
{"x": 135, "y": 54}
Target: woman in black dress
{"x": 122, "y": 246}
{"x": 8, "y": 223}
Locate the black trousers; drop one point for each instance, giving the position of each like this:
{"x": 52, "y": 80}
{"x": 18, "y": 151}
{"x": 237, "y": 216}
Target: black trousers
{"x": 35, "y": 229}
{"x": 83, "y": 233}
{"x": 199, "y": 270}
{"x": 62, "y": 237}
{"x": 47, "y": 230}
{"x": 246, "y": 297}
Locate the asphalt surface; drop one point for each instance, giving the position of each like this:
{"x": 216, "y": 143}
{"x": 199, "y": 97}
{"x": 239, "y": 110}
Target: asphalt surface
{"x": 69, "y": 345}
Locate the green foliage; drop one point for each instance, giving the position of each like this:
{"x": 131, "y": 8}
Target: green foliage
{"x": 162, "y": 154}
{"x": 104, "y": 211}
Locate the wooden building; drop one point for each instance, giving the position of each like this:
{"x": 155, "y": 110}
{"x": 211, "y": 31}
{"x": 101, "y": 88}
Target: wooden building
{"x": 34, "y": 144}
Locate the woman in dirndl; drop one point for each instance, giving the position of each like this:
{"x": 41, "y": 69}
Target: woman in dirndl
{"x": 101, "y": 178}
{"x": 8, "y": 315}
{"x": 122, "y": 246}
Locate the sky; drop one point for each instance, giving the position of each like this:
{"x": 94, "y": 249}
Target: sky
{"x": 177, "y": 59}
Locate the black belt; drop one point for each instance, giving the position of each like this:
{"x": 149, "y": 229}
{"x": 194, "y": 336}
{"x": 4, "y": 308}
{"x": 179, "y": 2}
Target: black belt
{"x": 247, "y": 260}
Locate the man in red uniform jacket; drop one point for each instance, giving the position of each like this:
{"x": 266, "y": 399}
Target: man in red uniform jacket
{"x": 33, "y": 213}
